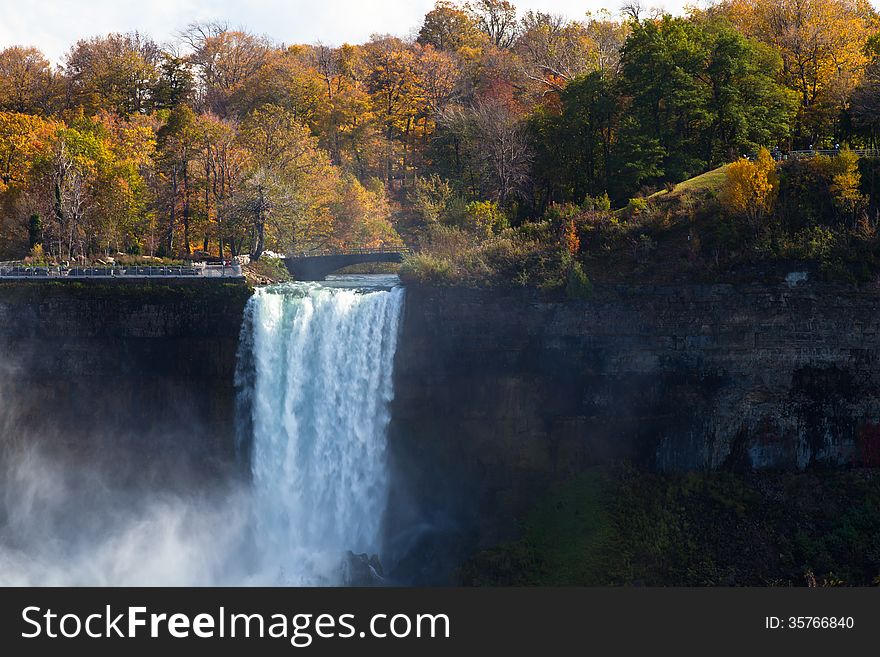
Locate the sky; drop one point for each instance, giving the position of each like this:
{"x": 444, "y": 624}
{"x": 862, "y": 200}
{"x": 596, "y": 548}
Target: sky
{"x": 55, "y": 25}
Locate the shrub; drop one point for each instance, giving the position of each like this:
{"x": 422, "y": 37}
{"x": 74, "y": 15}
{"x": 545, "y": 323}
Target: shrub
{"x": 485, "y": 217}
{"x": 638, "y": 206}
{"x": 435, "y": 201}
{"x": 451, "y": 256}
{"x": 805, "y": 197}
{"x": 597, "y": 203}
{"x": 427, "y": 269}
{"x": 578, "y": 285}
{"x": 816, "y": 243}
{"x": 750, "y": 189}
{"x": 846, "y": 186}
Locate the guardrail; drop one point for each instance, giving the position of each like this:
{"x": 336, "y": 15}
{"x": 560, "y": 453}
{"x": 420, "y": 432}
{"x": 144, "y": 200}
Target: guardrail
{"x": 830, "y": 152}
{"x": 8, "y": 270}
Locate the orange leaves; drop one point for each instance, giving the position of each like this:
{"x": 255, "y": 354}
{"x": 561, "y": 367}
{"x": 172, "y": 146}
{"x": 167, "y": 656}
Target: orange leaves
{"x": 822, "y": 42}
{"x": 23, "y": 138}
{"x": 570, "y": 238}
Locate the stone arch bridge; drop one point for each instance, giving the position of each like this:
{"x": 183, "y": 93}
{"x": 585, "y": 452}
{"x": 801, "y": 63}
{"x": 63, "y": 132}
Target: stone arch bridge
{"x": 315, "y": 266}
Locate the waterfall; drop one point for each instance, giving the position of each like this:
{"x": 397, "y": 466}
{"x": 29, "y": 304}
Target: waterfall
{"x": 315, "y": 382}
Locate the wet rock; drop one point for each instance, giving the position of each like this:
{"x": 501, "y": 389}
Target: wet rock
{"x": 362, "y": 570}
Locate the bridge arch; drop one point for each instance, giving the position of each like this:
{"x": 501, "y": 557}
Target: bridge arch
{"x": 316, "y": 266}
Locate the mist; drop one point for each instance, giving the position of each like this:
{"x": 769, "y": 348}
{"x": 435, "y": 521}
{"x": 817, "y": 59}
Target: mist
{"x": 91, "y": 496}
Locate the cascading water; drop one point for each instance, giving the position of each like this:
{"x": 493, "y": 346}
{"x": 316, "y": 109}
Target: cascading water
{"x": 315, "y": 381}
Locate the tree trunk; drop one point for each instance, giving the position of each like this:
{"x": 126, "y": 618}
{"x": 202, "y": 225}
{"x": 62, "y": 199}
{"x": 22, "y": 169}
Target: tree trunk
{"x": 172, "y": 217}
{"x": 260, "y": 228}
{"x": 186, "y": 242}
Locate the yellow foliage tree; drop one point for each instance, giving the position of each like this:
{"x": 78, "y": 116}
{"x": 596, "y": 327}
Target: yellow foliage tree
{"x": 485, "y": 217}
{"x": 750, "y": 188}
{"x": 362, "y": 215}
{"x": 846, "y": 185}
{"x": 822, "y": 44}
{"x": 23, "y": 138}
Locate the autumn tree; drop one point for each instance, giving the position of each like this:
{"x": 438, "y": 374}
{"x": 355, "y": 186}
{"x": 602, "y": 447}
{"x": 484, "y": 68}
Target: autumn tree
{"x": 27, "y": 83}
{"x": 348, "y": 123}
{"x": 23, "y": 139}
{"x": 222, "y": 161}
{"x": 750, "y": 188}
{"x": 822, "y": 46}
{"x": 120, "y": 190}
{"x": 438, "y": 78}
{"x": 72, "y": 170}
{"x": 497, "y": 20}
{"x": 846, "y": 186}
{"x": 362, "y": 215}
{"x": 395, "y": 91}
{"x": 493, "y": 139}
{"x": 865, "y": 104}
{"x": 118, "y": 72}
{"x": 180, "y": 141}
{"x": 286, "y": 79}
{"x": 555, "y": 50}
{"x": 608, "y": 37}
{"x": 286, "y": 187}
{"x": 224, "y": 60}
{"x": 449, "y": 26}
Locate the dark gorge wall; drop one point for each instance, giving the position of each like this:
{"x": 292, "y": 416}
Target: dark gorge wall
{"x": 499, "y": 394}
{"x": 134, "y": 376}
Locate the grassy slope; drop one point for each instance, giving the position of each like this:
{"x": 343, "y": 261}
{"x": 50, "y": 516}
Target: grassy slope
{"x": 709, "y": 182}
{"x": 673, "y": 218}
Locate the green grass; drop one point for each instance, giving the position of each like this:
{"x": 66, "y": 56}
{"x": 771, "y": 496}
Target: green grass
{"x": 708, "y": 183}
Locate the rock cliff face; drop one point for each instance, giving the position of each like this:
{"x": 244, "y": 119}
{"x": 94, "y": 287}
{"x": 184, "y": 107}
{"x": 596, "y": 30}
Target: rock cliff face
{"x": 137, "y": 376}
{"x": 499, "y": 394}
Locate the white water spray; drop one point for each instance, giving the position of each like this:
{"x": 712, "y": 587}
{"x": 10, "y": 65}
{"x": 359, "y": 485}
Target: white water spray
{"x": 321, "y": 360}
{"x": 314, "y": 380}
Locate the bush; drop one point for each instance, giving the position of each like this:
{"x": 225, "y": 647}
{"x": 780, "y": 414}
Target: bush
{"x": 816, "y": 243}
{"x": 578, "y": 285}
{"x": 846, "y": 186}
{"x": 750, "y": 188}
{"x": 272, "y": 269}
{"x": 426, "y": 269}
{"x": 638, "y": 206}
{"x": 597, "y": 203}
{"x": 451, "y": 256}
{"x": 485, "y": 218}
{"x": 805, "y": 196}
{"x": 436, "y": 202}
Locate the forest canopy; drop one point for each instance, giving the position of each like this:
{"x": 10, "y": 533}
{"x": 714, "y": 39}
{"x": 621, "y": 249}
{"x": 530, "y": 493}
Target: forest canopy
{"x": 485, "y": 129}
